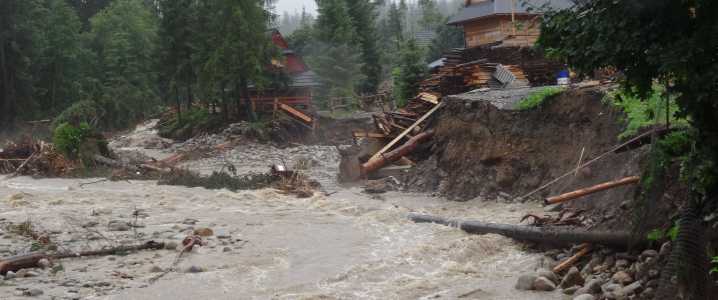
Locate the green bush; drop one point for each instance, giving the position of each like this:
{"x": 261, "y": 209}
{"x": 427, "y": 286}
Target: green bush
{"x": 641, "y": 113}
{"x": 537, "y": 98}
{"x": 82, "y": 111}
{"x": 194, "y": 121}
{"x": 79, "y": 142}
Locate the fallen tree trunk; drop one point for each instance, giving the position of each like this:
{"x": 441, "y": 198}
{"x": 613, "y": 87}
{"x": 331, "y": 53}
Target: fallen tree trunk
{"x": 17, "y": 262}
{"x": 29, "y": 260}
{"x": 410, "y": 147}
{"x": 109, "y": 162}
{"x": 591, "y": 190}
{"x": 529, "y": 233}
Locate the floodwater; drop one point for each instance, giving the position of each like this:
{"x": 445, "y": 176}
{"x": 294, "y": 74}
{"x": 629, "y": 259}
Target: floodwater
{"x": 281, "y": 247}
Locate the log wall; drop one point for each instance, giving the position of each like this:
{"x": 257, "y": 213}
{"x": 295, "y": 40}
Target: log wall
{"x": 493, "y": 28}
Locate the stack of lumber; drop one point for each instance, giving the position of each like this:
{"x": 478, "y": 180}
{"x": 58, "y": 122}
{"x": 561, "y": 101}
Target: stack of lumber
{"x": 541, "y": 71}
{"x": 443, "y": 84}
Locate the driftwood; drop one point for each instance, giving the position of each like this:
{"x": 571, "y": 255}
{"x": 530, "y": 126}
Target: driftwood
{"x": 17, "y": 262}
{"x": 410, "y": 147}
{"x": 29, "y": 159}
{"x": 565, "y": 265}
{"x": 591, "y": 190}
{"x": 131, "y": 168}
{"x": 29, "y": 260}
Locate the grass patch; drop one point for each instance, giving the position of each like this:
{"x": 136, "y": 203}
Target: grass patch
{"x": 641, "y": 113}
{"x": 57, "y": 268}
{"x": 341, "y": 112}
{"x": 537, "y": 98}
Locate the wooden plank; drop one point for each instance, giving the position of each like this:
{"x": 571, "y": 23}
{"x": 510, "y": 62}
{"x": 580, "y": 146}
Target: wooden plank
{"x": 373, "y": 135}
{"x": 407, "y": 131}
{"x": 296, "y": 113}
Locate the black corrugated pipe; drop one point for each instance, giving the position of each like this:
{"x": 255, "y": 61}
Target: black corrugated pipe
{"x": 530, "y": 233}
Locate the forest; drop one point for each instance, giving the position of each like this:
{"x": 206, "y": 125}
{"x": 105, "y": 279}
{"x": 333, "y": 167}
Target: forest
{"x": 111, "y": 63}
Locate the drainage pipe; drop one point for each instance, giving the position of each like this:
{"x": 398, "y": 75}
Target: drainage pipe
{"x": 530, "y": 233}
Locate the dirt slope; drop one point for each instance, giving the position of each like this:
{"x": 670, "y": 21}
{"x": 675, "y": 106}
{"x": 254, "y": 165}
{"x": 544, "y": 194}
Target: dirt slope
{"x": 484, "y": 147}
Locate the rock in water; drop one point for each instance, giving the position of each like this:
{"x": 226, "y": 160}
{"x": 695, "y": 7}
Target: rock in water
{"x": 622, "y": 278}
{"x": 9, "y": 275}
{"x": 572, "y": 278}
{"x": 203, "y": 232}
{"x": 543, "y": 284}
{"x": 44, "y": 263}
{"x": 582, "y": 291}
{"x": 584, "y": 297}
{"x": 548, "y": 275}
{"x": 35, "y": 292}
{"x": 525, "y": 282}
{"x": 594, "y": 285}
{"x": 194, "y": 269}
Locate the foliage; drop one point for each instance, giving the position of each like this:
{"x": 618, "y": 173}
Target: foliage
{"x": 537, "y": 98}
{"x": 414, "y": 71}
{"x": 533, "y": 163}
{"x": 431, "y": 16}
{"x": 83, "y": 111}
{"x": 668, "y": 40}
{"x": 238, "y": 49}
{"x": 194, "y": 122}
{"x": 363, "y": 15}
{"x": 655, "y": 235}
{"x": 218, "y": 180}
{"x": 176, "y": 47}
{"x": 673, "y": 231}
{"x": 123, "y": 35}
{"x": 79, "y": 142}
{"x": 21, "y": 49}
{"x": 300, "y": 40}
{"x": 447, "y": 38}
{"x": 56, "y": 269}
{"x": 335, "y": 55}
{"x": 121, "y": 251}
{"x": 641, "y": 113}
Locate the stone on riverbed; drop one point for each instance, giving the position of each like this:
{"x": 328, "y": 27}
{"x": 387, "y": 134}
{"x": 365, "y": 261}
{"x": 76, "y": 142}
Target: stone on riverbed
{"x": 543, "y": 284}
{"x": 525, "y": 282}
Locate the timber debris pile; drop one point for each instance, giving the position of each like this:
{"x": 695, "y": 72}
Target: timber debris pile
{"x": 467, "y": 69}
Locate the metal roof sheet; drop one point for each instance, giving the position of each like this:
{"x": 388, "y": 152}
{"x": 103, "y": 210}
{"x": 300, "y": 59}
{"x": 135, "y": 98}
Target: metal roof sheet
{"x": 492, "y": 7}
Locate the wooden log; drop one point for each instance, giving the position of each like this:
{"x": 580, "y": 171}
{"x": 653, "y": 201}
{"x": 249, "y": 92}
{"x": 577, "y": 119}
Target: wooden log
{"x": 29, "y": 159}
{"x": 573, "y": 259}
{"x": 382, "y": 123}
{"x": 591, "y": 190}
{"x": 17, "y": 262}
{"x": 112, "y": 163}
{"x": 410, "y": 147}
{"x": 148, "y": 245}
{"x": 373, "y": 135}
{"x": 407, "y": 131}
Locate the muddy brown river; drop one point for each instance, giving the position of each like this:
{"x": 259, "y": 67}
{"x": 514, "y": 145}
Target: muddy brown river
{"x": 279, "y": 247}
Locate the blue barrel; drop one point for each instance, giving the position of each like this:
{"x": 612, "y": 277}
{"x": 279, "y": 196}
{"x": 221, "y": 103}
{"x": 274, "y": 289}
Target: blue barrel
{"x": 563, "y": 77}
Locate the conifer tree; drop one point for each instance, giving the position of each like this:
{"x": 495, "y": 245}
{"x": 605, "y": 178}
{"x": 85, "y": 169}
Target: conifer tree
{"x": 335, "y": 57}
{"x": 367, "y": 37}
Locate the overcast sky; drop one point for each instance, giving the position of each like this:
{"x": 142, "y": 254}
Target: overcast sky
{"x": 291, "y": 5}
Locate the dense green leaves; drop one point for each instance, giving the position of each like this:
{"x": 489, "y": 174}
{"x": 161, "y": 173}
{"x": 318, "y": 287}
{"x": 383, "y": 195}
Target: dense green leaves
{"x": 647, "y": 40}
{"x": 335, "y": 55}
{"x": 414, "y": 71}
{"x": 367, "y": 37}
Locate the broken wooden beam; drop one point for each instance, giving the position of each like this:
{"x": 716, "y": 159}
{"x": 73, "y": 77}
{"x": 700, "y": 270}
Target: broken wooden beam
{"x": 407, "y": 131}
{"x": 410, "y": 147}
{"x": 373, "y": 135}
{"x": 591, "y": 190}
{"x": 565, "y": 265}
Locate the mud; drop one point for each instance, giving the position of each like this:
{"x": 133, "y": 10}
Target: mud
{"x": 281, "y": 247}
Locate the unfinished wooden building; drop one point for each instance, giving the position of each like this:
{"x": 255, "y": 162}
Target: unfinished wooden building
{"x": 488, "y": 21}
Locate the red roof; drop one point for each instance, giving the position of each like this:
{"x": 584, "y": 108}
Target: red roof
{"x": 293, "y": 61}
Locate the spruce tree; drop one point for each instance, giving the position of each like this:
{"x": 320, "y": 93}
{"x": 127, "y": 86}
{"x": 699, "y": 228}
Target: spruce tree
{"x": 367, "y": 37}
{"x": 335, "y": 56}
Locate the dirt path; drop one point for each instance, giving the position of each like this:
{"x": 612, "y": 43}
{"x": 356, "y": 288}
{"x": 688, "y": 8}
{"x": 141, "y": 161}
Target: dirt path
{"x": 316, "y": 248}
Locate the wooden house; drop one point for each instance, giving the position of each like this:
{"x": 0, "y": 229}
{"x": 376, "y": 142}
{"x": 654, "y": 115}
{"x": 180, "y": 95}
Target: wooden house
{"x": 488, "y": 21}
{"x": 301, "y": 93}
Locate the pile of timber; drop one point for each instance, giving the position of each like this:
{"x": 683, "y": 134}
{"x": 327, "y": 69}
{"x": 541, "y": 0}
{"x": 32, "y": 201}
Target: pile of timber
{"x": 541, "y": 71}
{"x": 505, "y": 55}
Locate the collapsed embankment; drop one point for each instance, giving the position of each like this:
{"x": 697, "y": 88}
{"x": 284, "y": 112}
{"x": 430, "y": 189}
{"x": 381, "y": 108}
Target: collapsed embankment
{"x": 487, "y": 150}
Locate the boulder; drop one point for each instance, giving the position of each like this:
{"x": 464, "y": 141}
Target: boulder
{"x": 665, "y": 250}
{"x": 571, "y": 290}
{"x": 506, "y": 176}
{"x": 553, "y": 207}
{"x": 649, "y": 253}
{"x": 377, "y": 187}
{"x": 203, "y": 232}
{"x": 21, "y": 273}
{"x": 622, "y": 263}
{"x": 44, "y": 264}
{"x": 584, "y": 297}
{"x": 622, "y": 278}
{"x": 525, "y": 282}
{"x": 633, "y": 288}
{"x": 582, "y": 291}
{"x": 594, "y": 285}
{"x": 548, "y": 275}
{"x": 572, "y": 278}
{"x": 543, "y": 284}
